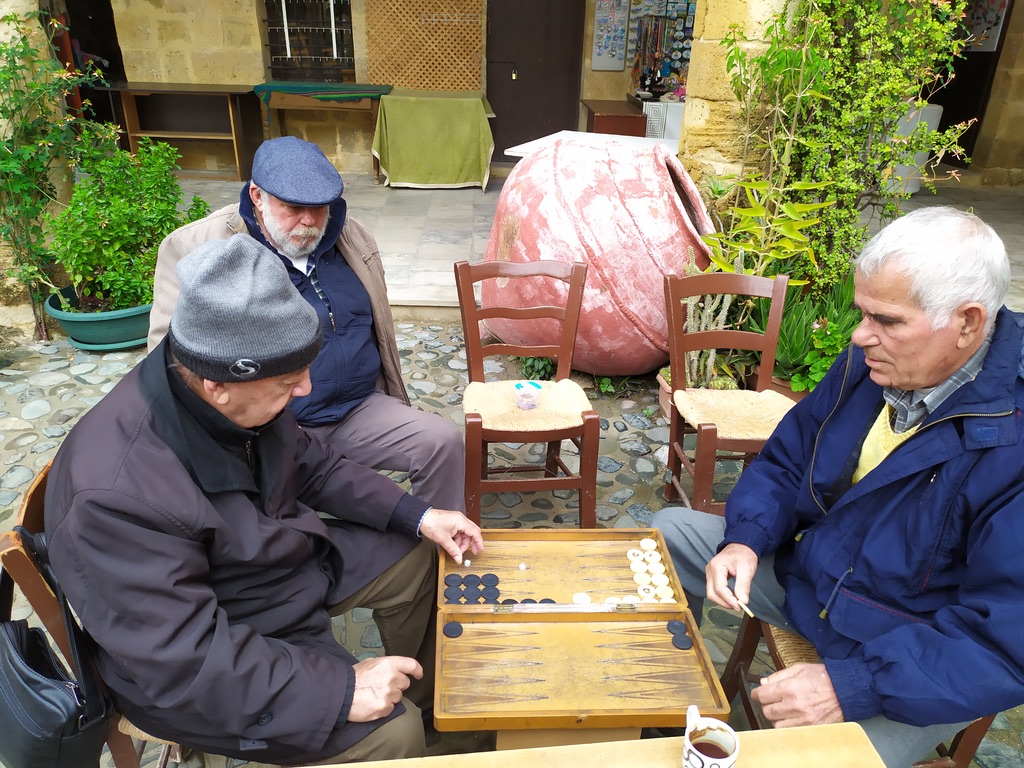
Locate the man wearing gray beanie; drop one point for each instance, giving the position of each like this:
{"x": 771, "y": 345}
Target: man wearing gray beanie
{"x": 205, "y": 539}
{"x": 358, "y": 403}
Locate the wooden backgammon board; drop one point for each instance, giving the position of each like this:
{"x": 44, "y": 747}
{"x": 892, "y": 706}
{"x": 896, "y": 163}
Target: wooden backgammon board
{"x": 551, "y": 637}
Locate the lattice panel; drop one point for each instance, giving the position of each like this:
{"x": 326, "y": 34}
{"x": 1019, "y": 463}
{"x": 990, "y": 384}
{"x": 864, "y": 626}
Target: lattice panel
{"x": 433, "y": 45}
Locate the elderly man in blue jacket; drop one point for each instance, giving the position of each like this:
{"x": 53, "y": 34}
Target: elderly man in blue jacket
{"x": 884, "y": 519}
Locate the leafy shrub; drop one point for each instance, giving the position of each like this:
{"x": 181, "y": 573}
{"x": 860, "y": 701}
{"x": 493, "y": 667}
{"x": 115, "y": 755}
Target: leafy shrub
{"x": 121, "y": 208}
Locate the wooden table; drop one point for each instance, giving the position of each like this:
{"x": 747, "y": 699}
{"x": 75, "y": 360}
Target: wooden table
{"x": 844, "y": 745}
{"x": 561, "y": 672}
{"x": 434, "y": 138}
{"x": 326, "y": 97}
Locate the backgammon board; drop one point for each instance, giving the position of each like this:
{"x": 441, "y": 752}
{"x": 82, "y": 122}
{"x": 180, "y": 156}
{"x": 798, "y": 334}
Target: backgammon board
{"x": 555, "y": 631}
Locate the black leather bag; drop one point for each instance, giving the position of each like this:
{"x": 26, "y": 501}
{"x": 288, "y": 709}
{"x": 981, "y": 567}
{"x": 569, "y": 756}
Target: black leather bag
{"x": 47, "y": 718}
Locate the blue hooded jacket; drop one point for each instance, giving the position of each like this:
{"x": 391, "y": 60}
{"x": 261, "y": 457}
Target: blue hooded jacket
{"x": 910, "y": 583}
{"x": 346, "y": 370}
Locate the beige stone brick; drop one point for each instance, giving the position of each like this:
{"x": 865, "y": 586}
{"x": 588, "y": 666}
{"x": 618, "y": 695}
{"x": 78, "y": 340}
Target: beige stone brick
{"x": 241, "y": 33}
{"x": 710, "y": 125}
{"x": 136, "y": 30}
{"x": 174, "y": 35}
{"x": 995, "y": 177}
{"x": 709, "y": 75}
{"x": 750, "y": 15}
{"x": 227, "y": 67}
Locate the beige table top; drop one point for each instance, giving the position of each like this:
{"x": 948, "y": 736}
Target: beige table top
{"x": 843, "y": 745}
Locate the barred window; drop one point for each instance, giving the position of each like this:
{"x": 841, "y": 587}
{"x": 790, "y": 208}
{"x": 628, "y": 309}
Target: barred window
{"x": 310, "y": 40}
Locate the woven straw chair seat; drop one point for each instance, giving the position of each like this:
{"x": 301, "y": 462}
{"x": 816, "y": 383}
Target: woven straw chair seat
{"x": 739, "y": 414}
{"x": 560, "y": 406}
{"x": 792, "y": 648}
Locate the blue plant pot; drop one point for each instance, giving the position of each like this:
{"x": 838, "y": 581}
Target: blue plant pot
{"x": 100, "y": 331}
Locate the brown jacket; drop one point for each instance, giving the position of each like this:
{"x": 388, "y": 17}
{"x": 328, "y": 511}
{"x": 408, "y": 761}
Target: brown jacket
{"x": 207, "y": 592}
{"x": 356, "y": 245}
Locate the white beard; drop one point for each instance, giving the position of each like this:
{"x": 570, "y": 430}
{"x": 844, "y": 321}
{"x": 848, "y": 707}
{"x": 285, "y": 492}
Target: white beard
{"x": 300, "y": 242}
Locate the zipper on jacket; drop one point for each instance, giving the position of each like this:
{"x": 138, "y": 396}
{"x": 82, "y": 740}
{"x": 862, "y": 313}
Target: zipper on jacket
{"x": 330, "y": 315}
{"x": 814, "y": 453}
{"x": 835, "y": 593}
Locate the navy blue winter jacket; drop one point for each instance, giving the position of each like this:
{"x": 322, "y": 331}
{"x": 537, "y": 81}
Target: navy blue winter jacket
{"x": 346, "y": 370}
{"x": 911, "y": 583}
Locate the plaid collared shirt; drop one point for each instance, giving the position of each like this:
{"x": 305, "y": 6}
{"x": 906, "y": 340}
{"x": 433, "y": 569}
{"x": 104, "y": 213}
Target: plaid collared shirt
{"x": 909, "y": 408}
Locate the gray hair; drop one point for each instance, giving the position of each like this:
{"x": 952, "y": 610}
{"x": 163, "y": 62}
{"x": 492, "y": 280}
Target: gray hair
{"x": 949, "y": 258}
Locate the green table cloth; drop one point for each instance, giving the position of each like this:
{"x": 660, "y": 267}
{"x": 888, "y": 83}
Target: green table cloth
{"x": 434, "y": 138}
{"x": 321, "y": 91}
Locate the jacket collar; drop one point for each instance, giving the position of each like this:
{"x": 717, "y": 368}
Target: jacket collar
{"x": 338, "y": 211}
{"x": 993, "y": 391}
{"x": 209, "y": 445}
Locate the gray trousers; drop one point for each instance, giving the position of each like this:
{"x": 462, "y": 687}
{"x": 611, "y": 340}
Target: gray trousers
{"x": 386, "y": 434}
{"x": 693, "y": 538}
{"x": 404, "y": 604}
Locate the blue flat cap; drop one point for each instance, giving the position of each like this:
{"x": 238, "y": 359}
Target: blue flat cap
{"x": 296, "y": 172}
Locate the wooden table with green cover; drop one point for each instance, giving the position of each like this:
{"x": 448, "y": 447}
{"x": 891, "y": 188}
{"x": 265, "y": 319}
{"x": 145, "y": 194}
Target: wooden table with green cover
{"x": 434, "y": 138}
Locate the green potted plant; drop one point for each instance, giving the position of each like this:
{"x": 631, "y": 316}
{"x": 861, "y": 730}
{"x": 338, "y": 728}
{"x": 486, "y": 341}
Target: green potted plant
{"x": 813, "y": 333}
{"x": 106, "y": 238}
{"x": 37, "y": 137}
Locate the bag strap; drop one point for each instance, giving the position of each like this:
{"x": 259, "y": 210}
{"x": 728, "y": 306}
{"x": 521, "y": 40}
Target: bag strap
{"x": 89, "y": 691}
{"x": 6, "y": 595}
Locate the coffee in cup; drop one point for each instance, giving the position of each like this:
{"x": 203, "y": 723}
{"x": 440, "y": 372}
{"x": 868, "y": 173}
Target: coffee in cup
{"x": 708, "y": 743}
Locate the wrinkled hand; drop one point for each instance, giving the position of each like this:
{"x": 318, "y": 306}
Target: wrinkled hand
{"x": 453, "y": 531}
{"x": 735, "y": 561}
{"x": 798, "y": 695}
{"x": 380, "y": 682}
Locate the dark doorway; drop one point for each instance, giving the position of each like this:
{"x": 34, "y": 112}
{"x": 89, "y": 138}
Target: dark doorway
{"x": 534, "y": 56}
{"x": 967, "y": 96}
{"x": 91, "y": 28}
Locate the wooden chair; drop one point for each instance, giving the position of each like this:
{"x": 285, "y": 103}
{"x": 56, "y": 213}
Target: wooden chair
{"x": 563, "y": 411}
{"x": 788, "y": 648}
{"x": 737, "y": 422}
{"x": 21, "y": 565}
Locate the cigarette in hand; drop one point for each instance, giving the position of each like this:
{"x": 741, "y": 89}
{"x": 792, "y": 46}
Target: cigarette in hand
{"x": 744, "y": 607}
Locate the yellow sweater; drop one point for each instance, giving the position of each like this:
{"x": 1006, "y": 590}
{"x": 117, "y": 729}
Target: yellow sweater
{"x": 880, "y": 442}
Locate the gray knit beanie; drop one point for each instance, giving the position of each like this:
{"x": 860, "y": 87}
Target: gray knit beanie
{"x": 238, "y": 316}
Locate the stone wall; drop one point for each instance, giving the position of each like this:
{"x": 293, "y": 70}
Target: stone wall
{"x": 999, "y": 153}
{"x": 189, "y": 41}
{"x": 708, "y": 142}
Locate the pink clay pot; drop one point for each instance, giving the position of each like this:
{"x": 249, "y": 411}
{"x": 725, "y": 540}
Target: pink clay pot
{"x": 632, "y": 214}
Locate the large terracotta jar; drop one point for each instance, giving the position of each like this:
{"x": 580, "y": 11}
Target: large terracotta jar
{"x": 632, "y": 214}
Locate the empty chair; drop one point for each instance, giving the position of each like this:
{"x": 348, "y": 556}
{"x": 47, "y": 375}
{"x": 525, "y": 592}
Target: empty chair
{"x": 737, "y": 422}
{"x": 561, "y": 411}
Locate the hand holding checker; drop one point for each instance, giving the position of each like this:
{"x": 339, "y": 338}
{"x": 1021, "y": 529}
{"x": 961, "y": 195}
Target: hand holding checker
{"x": 453, "y": 532}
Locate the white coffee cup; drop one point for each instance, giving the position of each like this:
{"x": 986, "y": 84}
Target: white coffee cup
{"x": 708, "y": 743}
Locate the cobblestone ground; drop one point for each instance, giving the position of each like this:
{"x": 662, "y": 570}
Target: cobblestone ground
{"x": 44, "y": 389}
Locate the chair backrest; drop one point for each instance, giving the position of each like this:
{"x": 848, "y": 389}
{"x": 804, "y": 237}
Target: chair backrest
{"x": 22, "y": 566}
{"x": 564, "y": 318}
{"x": 24, "y": 570}
{"x": 678, "y": 288}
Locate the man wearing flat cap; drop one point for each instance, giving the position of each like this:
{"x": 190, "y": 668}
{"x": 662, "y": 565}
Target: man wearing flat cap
{"x": 204, "y": 539}
{"x": 358, "y": 403}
